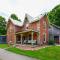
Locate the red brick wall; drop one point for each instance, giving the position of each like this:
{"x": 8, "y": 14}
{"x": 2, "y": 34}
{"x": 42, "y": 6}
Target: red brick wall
{"x": 43, "y": 30}
{"x": 47, "y": 32}
{"x": 18, "y": 29}
{"x": 11, "y": 33}
{"x": 34, "y": 25}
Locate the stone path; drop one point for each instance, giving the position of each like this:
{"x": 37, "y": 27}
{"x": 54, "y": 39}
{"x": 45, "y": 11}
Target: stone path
{"x": 6, "y": 55}
{"x": 30, "y": 47}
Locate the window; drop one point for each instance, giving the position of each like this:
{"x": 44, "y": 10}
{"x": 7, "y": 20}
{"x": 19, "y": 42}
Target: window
{"x": 26, "y": 26}
{"x": 44, "y": 24}
{"x": 44, "y": 35}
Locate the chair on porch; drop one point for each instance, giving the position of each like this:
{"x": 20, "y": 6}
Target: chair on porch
{"x": 31, "y": 42}
{"x": 25, "y": 41}
{"x": 18, "y": 42}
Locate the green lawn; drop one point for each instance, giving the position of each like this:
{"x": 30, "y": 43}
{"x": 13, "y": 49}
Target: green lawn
{"x": 48, "y": 53}
{"x": 3, "y": 45}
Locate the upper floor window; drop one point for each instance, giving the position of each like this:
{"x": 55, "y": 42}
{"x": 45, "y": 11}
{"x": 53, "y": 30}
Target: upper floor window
{"x": 44, "y": 24}
{"x": 27, "y": 24}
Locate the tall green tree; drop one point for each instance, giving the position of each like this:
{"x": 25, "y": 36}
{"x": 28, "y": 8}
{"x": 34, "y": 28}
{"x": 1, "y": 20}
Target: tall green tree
{"x": 14, "y": 17}
{"x": 2, "y": 26}
{"x": 54, "y": 15}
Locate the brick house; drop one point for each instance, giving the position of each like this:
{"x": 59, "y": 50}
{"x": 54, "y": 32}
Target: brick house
{"x": 32, "y": 30}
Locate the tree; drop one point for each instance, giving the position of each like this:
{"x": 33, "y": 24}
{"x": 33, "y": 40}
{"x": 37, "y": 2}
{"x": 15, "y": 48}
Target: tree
{"x": 54, "y": 15}
{"x": 2, "y": 26}
{"x": 14, "y": 17}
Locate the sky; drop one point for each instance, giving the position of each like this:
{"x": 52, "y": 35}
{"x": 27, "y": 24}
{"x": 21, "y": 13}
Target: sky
{"x": 31, "y": 7}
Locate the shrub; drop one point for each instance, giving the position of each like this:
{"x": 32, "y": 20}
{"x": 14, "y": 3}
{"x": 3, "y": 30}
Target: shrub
{"x": 51, "y": 42}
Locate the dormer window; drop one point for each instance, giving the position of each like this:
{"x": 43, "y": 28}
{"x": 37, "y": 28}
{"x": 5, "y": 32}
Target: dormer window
{"x": 26, "y": 27}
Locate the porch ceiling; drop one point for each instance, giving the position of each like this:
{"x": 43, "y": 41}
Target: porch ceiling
{"x": 26, "y": 31}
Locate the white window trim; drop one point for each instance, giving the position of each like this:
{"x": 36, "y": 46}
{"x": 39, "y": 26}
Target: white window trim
{"x": 45, "y": 37}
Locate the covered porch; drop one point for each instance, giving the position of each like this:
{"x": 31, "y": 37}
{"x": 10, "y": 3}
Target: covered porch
{"x": 29, "y": 37}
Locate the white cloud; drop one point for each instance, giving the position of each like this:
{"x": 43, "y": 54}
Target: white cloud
{"x": 20, "y": 7}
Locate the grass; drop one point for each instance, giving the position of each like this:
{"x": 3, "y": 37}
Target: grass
{"x": 3, "y": 45}
{"x": 48, "y": 53}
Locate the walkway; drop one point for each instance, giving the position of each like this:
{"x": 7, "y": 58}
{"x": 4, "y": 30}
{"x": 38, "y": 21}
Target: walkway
{"x": 5, "y": 55}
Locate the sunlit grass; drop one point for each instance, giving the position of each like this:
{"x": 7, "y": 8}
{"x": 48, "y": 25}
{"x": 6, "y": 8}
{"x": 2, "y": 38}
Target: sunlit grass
{"x": 3, "y": 45}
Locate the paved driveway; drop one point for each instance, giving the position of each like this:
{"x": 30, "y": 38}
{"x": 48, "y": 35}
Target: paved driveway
{"x": 5, "y": 55}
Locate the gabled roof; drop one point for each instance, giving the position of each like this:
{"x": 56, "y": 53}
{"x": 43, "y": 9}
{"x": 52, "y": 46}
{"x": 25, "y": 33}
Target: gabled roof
{"x": 39, "y": 17}
{"x": 31, "y": 19}
{"x": 54, "y": 25}
{"x": 54, "y": 29}
{"x": 15, "y": 22}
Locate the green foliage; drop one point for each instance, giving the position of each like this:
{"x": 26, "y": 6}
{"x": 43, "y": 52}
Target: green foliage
{"x": 2, "y": 26}
{"x": 51, "y": 42}
{"x": 14, "y": 17}
{"x": 54, "y": 15}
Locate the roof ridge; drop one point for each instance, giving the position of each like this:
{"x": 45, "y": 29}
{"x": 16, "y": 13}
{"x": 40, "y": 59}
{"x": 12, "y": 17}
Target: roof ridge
{"x": 55, "y": 25}
{"x": 16, "y": 22}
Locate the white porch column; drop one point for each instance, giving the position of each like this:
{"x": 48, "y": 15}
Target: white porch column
{"x": 21, "y": 38}
{"x": 38, "y": 38}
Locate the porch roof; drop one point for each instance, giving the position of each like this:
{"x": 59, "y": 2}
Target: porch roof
{"x": 26, "y": 31}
